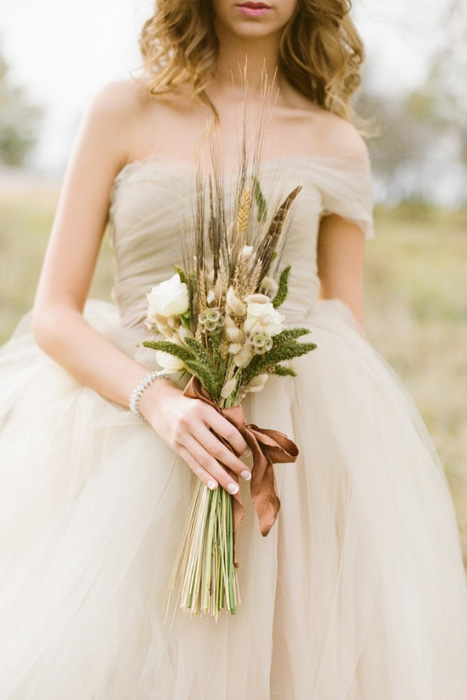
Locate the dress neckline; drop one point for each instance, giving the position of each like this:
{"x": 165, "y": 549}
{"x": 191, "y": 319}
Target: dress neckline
{"x": 333, "y": 162}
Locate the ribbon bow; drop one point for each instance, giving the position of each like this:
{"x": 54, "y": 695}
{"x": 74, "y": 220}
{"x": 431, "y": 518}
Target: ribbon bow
{"x": 267, "y": 447}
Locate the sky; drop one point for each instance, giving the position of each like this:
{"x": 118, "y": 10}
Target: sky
{"x": 63, "y": 52}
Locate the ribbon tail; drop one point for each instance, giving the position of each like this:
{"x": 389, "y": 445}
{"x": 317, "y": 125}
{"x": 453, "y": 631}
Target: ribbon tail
{"x": 264, "y": 494}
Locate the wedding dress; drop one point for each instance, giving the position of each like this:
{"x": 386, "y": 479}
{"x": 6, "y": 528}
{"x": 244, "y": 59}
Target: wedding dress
{"x": 357, "y": 593}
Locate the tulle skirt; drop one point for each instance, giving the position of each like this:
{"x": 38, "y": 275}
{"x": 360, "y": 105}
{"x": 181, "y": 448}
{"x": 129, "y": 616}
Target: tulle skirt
{"x": 357, "y": 593}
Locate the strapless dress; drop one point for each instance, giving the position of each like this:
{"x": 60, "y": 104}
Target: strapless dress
{"x": 357, "y": 593}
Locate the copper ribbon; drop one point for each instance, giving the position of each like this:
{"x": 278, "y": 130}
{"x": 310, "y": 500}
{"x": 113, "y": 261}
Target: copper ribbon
{"x": 267, "y": 447}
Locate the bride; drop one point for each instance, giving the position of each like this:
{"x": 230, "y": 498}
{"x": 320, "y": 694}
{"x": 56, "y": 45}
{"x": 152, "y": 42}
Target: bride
{"x": 358, "y": 592}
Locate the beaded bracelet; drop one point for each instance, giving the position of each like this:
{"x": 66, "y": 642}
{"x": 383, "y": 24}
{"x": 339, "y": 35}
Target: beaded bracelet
{"x": 141, "y": 388}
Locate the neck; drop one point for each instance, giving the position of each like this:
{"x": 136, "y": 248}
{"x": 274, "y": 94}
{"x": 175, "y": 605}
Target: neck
{"x": 245, "y": 61}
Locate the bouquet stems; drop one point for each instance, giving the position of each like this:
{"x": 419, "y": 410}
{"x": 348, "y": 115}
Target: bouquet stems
{"x": 205, "y": 562}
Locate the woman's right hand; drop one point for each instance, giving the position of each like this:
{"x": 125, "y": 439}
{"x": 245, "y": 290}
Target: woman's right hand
{"x": 190, "y": 427}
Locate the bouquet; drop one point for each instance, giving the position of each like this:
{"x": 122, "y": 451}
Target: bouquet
{"x": 219, "y": 315}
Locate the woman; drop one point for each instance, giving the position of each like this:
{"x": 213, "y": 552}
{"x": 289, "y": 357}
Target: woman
{"x": 359, "y": 591}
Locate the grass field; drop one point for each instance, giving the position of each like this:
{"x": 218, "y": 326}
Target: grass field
{"x": 416, "y": 308}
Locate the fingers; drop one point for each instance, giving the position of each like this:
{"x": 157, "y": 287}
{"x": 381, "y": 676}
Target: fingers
{"x": 222, "y": 454}
{"x": 206, "y": 467}
{"x": 196, "y": 432}
{"x": 226, "y": 430}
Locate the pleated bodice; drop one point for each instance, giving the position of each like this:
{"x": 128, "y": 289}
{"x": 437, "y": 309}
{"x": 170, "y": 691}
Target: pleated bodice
{"x": 153, "y": 200}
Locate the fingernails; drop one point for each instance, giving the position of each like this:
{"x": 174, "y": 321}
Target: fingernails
{"x": 246, "y": 475}
{"x": 232, "y": 488}
{"x": 247, "y": 452}
{"x": 212, "y": 484}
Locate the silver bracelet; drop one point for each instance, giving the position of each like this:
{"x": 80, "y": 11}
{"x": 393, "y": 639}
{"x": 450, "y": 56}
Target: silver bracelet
{"x": 141, "y": 388}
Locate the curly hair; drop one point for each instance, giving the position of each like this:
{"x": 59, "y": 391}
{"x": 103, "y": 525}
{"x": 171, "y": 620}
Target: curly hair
{"x": 320, "y": 52}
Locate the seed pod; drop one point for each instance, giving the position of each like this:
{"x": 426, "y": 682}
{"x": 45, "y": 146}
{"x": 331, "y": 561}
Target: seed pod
{"x": 213, "y": 315}
{"x": 210, "y": 325}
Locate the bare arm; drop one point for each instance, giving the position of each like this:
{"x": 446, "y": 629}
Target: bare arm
{"x": 340, "y": 262}
{"x": 58, "y": 324}
{"x": 71, "y": 257}
{"x": 341, "y": 243}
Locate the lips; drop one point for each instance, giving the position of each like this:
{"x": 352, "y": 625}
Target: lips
{"x": 253, "y": 9}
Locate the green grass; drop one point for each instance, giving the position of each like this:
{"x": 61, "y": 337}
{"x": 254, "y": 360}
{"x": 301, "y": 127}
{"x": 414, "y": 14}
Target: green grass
{"x": 416, "y": 306}
{"x": 25, "y": 221}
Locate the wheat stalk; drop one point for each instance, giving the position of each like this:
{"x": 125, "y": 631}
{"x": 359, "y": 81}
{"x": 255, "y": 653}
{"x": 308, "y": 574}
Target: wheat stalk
{"x": 243, "y": 213}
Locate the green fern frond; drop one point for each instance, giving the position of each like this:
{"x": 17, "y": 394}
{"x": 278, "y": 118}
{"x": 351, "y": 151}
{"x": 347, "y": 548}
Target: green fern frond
{"x": 219, "y": 360}
{"x": 205, "y": 377}
{"x": 288, "y": 335}
{"x": 260, "y": 201}
{"x": 263, "y": 363}
{"x": 284, "y": 371}
{"x": 203, "y": 357}
{"x": 283, "y": 288}
{"x": 172, "y": 348}
{"x": 199, "y": 351}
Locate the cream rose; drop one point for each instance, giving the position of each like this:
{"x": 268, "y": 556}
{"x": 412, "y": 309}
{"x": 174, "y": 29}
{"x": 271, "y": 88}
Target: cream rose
{"x": 262, "y": 316}
{"x": 169, "y": 298}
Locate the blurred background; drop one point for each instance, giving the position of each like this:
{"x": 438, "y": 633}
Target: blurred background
{"x": 55, "y": 55}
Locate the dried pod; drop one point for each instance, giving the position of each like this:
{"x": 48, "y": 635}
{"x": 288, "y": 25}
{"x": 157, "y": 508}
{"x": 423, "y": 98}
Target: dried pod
{"x": 257, "y": 383}
{"x": 173, "y": 322}
{"x": 244, "y": 356}
{"x": 257, "y": 299}
{"x": 233, "y": 333}
{"x": 235, "y": 348}
{"x": 184, "y": 333}
{"x": 218, "y": 287}
{"x": 268, "y": 284}
{"x": 228, "y": 388}
{"x": 234, "y": 304}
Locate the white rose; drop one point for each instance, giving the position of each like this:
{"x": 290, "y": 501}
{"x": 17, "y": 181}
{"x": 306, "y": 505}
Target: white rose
{"x": 169, "y": 362}
{"x": 169, "y": 298}
{"x": 262, "y": 316}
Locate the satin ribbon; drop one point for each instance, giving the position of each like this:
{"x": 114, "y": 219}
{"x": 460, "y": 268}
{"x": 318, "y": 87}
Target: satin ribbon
{"x": 268, "y": 447}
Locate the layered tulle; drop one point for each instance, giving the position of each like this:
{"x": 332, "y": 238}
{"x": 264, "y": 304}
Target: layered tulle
{"x": 357, "y": 593}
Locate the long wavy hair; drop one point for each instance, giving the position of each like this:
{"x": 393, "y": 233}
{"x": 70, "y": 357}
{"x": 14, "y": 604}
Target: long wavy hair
{"x": 320, "y": 52}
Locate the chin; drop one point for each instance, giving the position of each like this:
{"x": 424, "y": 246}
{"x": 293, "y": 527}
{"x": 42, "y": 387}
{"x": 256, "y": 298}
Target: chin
{"x": 252, "y": 19}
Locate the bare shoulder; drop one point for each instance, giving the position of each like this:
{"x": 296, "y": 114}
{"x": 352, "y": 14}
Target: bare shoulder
{"x": 318, "y": 130}
{"x": 326, "y": 133}
{"x": 122, "y": 100}
{"x": 338, "y": 136}
{"x": 139, "y": 122}
{"x": 115, "y": 118}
